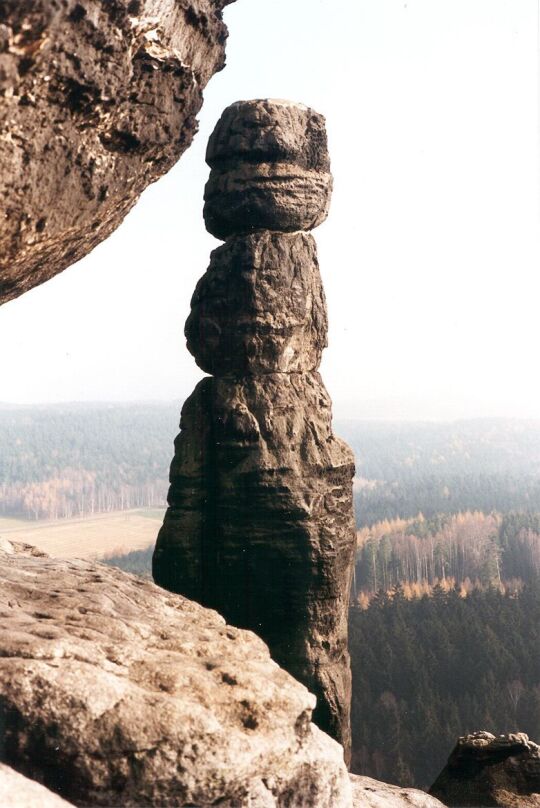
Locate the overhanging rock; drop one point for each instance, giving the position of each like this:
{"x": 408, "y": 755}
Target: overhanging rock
{"x": 98, "y": 100}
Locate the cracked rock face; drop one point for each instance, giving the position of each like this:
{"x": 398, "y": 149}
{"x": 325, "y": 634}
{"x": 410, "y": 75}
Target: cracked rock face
{"x": 483, "y": 769}
{"x": 260, "y": 308}
{"x": 260, "y": 521}
{"x": 98, "y": 99}
{"x": 116, "y": 693}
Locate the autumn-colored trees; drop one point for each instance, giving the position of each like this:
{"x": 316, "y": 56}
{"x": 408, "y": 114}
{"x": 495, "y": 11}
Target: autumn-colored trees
{"x": 485, "y": 549}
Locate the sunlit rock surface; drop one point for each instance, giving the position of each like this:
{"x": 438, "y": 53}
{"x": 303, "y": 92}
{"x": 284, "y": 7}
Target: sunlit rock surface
{"x": 17, "y": 791}
{"x": 369, "y": 793}
{"x": 114, "y": 692}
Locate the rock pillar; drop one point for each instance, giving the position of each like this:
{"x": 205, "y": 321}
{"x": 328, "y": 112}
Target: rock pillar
{"x": 260, "y": 520}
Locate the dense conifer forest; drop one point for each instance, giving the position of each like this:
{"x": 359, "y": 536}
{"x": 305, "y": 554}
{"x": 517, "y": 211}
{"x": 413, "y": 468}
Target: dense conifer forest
{"x": 432, "y": 668}
{"x": 445, "y": 607}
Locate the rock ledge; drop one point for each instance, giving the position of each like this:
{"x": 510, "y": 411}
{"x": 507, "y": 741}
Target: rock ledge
{"x": 114, "y": 692}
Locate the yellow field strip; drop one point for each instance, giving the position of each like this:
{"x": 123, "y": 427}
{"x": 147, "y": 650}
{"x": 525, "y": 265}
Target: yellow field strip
{"x": 92, "y": 537}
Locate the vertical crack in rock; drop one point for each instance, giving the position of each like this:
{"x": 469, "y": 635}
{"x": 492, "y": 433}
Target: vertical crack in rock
{"x": 260, "y": 520}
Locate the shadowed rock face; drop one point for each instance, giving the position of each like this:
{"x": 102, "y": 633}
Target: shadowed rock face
{"x": 260, "y": 520}
{"x": 116, "y": 693}
{"x": 260, "y": 307}
{"x": 98, "y": 100}
{"x": 484, "y": 770}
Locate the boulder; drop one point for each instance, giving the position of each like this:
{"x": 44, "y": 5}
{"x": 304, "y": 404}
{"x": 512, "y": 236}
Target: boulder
{"x": 99, "y": 99}
{"x": 114, "y": 692}
{"x": 483, "y": 769}
{"x": 270, "y": 169}
{"x": 260, "y": 307}
{"x": 17, "y": 791}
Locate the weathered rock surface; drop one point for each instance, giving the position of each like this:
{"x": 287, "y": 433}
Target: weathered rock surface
{"x": 17, "y": 791}
{"x": 98, "y": 99}
{"x": 369, "y": 793}
{"x": 260, "y": 307}
{"x": 260, "y": 521}
{"x": 270, "y": 169}
{"x": 501, "y": 771}
{"x": 116, "y": 693}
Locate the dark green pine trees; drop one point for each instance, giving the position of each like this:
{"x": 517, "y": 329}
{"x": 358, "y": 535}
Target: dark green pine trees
{"x": 430, "y": 669}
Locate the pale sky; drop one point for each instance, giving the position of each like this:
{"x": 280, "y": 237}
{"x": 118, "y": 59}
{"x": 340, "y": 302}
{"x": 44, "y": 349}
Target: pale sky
{"x": 430, "y": 256}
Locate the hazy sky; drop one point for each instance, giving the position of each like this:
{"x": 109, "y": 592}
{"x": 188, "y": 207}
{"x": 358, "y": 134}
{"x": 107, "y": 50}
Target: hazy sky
{"x": 430, "y": 257}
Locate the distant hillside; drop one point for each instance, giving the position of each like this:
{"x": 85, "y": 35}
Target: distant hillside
{"x": 391, "y": 450}
{"x": 72, "y": 460}
{"x": 75, "y": 460}
{"x": 431, "y": 468}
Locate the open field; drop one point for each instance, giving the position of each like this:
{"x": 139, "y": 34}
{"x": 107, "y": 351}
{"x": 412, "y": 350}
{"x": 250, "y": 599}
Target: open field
{"x": 11, "y": 524}
{"x": 91, "y": 537}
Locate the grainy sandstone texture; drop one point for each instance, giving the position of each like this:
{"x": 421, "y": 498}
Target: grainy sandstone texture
{"x": 260, "y": 307}
{"x": 260, "y": 520}
{"x": 485, "y": 770}
{"x": 369, "y": 793}
{"x": 98, "y": 99}
{"x": 116, "y": 693}
{"x": 270, "y": 169}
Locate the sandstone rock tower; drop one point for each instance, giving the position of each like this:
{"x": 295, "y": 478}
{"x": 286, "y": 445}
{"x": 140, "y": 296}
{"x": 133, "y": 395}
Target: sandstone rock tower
{"x": 260, "y": 519}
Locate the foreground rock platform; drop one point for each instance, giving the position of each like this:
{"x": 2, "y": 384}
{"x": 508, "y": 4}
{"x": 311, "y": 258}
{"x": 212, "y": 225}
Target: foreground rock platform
{"x": 114, "y": 692}
{"x": 486, "y": 770}
{"x": 369, "y": 793}
{"x": 98, "y": 99}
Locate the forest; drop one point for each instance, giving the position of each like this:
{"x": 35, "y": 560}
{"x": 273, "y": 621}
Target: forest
{"x": 70, "y": 461}
{"x": 429, "y": 669}
{"x": 465, "y": 548}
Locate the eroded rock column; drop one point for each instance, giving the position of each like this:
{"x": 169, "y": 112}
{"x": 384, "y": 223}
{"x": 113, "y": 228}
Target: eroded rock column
{"x": 260, "y": 520}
